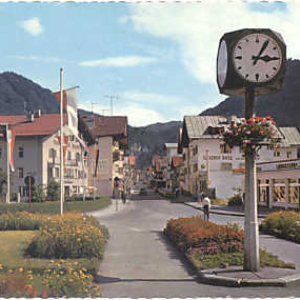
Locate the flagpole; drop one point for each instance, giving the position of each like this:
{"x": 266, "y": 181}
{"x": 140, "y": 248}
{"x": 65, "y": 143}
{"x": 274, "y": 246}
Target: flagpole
{"x": 61, "y": 145}
{"x": 7, "y": 166}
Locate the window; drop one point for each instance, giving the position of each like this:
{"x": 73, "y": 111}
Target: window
{"x": 56, "y": 172}
{"x": 195, "y": 168}
{"x": 20, "y": 172}
{"x": 276, "y": 153}
{"x": 226, "y": 166}
{"x": 21, "y": 150}
{"x": 71, "y": 138}
{"x": 52, "y": 153}
{"x": 69, "y": 155}
{"x": 225, "y": 149}
{"x": 289, "y": 154}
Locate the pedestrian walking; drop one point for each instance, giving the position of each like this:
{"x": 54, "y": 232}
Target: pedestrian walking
{"x": 206, "y": 207}
{"x": 200, "y": 195}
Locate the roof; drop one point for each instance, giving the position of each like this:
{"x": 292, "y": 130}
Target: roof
{"x": 107, "y": 126}
{"x": 46, "y": 124}
{"x": 291, "y": 136}
{"x": 196, "y": 126}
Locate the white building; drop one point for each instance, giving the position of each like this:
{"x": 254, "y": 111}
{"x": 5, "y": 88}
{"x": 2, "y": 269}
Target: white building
{"x": 36, "y": 155}
{"x": 215, "y": 168}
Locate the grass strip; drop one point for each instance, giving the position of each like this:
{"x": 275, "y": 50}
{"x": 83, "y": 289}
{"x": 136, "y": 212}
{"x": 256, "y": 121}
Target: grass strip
{"x": 54, "y": 207}
{"x": 210, "y": 261}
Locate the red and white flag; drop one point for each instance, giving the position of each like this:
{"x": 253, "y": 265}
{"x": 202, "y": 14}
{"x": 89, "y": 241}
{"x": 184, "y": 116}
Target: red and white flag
{"x": 10, "y": 138}
{"x": 70, "y": 106}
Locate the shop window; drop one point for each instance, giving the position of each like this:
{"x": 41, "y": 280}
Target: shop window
{"x": 226, "y": 166}
{"x": 294, "y": 185}
{"x": 263, "y": 191}
{"x": 279, "y": 190}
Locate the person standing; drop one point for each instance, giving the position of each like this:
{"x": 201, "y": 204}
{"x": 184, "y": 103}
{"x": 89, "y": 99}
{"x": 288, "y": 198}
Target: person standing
{"x": 206, "y": 207}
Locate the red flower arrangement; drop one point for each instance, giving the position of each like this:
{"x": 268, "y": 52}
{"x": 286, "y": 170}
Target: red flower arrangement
{"x": 251, "y": 134}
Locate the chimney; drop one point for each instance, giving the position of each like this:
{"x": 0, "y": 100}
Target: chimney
{"x": 37, "y": 113}
{"x": 30, "y": 117}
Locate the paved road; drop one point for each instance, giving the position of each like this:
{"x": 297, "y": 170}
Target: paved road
{"x": 139, "y": 262}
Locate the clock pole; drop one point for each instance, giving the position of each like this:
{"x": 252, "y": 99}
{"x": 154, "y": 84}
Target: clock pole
{"x": 251, "y": 237}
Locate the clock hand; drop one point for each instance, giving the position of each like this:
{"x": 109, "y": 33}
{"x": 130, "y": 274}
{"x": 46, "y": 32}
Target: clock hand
{"x": 264, "y": 46}
{"x": 265, "y": 58}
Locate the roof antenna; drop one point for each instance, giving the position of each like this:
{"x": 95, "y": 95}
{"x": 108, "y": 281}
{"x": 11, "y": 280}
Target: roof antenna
{"x": 25, "y": 109}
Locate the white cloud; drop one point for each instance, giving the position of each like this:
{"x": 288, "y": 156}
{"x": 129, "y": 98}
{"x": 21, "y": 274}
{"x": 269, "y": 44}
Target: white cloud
{"x": 197, "y": 28}
{"x": 39, "y": 58}
{"x": 136, "y": 114}
{"x": 32, "y": 26}
{"x": 121, "y": 61}
{"x": 152, "y": 98}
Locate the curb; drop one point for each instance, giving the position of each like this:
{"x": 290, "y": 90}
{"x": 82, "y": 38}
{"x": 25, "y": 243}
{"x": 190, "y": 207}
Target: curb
{"x": 217, "y": 212}
{"x": 286, "y": 281}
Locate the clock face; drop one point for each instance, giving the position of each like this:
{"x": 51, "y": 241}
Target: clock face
{"x": 222, "y": 63}
{"x": 257, "y": 58}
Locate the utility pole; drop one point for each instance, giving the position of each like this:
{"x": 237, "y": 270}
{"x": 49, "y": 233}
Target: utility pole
{"x": 111, "y": 98}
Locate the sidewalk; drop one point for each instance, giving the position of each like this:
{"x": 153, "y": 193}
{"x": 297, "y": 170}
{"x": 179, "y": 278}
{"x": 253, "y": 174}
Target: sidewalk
{"x": 235, "y": 276}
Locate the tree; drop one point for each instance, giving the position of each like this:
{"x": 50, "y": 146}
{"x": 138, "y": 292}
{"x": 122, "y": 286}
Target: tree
{"x": 53, "y": 190}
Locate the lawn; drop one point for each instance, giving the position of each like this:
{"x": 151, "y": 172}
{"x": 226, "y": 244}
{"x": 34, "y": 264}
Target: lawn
{"x": 54, "y": 207}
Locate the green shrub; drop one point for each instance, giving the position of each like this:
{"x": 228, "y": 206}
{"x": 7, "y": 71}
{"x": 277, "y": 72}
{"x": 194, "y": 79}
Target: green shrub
{"x": 235, "y": 200}
{"x": 70, "y": 236}
{"x": 283, "y": 224}
{"x": 53, "y": 190}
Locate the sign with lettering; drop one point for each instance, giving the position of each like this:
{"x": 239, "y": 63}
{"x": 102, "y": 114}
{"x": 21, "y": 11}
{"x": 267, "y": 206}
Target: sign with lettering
{"x": 279, "y": 166}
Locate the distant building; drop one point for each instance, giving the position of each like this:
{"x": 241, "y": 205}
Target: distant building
{"x": 36, "y": 155}
{"x": 106, "y": 159}
{"x": 215, "y": 168}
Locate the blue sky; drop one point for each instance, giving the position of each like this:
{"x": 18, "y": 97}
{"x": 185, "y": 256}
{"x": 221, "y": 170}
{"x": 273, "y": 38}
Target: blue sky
{"x": 159, "y": 59}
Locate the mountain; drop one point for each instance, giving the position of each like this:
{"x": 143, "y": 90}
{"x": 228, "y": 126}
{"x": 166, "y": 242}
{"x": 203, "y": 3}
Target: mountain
{"x": 144, "y": 142}
{"x": 284, "y": 106}
{"x": 19, "y": 95}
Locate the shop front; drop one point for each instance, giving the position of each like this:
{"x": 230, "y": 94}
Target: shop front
{"x": 279, "y": 184}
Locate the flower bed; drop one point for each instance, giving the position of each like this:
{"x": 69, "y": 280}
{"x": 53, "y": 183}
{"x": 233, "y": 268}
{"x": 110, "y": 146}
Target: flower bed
{"x": 194, "y": 234}
{"x": 283, "y": 224}
{"x": 70, "y": 236}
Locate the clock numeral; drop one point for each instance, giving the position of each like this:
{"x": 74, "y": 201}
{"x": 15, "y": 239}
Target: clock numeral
{"x": 247, "y": 40}
{"x": 239, "y": 47}
{"x": 256, "y": 76}
{"x": 274, "y": 48}
{"x": 274, "y": 68}
{"x": 247, "y": 75}
{"x": 267, "y": 75}
{"x": 239, "y": 67}
{"x": 257, "y": 39}
{"x": 238, "y": 57}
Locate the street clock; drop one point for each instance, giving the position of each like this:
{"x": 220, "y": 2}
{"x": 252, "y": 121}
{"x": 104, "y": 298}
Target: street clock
{"x": 251, "y": 58}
